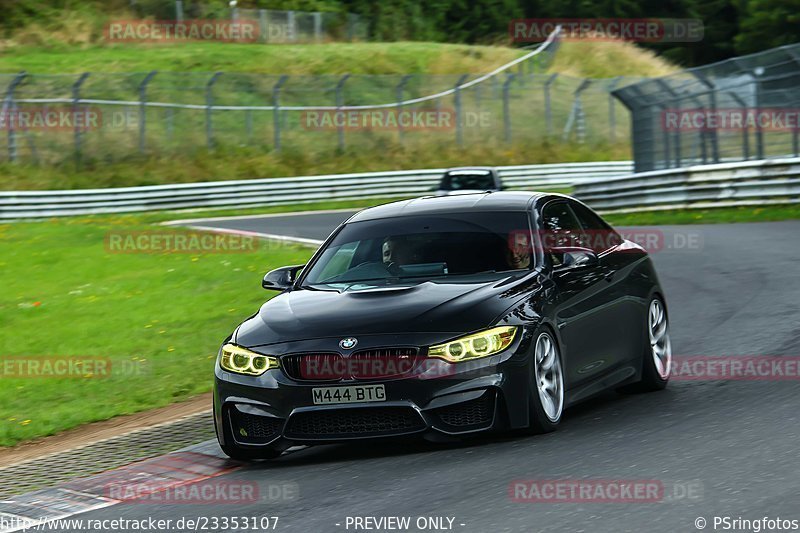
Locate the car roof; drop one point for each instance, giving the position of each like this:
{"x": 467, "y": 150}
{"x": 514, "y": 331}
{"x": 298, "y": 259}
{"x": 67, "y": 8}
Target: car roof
{"x": 466, "y": 169}
{"x": 436, "y": 205}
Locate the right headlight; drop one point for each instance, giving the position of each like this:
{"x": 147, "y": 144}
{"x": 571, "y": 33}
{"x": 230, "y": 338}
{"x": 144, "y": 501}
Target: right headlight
{"x": 243, "y": 361}
{"x": 475, "y": 346}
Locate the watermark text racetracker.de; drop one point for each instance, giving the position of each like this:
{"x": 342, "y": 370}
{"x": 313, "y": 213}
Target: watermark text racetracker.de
{"x": 176, "y": 31}
{"x": 604, "y": 491}
{"x": 179, "y": 241}
{"x": 61, "y": 118}
{"x": 735, "y": 368}
{"x": 393, "y": 120}
{"x": 70, "y": 367}
{"x": 165, "y": 491}
{"x": 731, "y": 119}
{"x": 645, "y": 30}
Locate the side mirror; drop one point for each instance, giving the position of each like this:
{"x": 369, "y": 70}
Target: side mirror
{"x": 575, "y": 257}
{"x": 282, "y": 278}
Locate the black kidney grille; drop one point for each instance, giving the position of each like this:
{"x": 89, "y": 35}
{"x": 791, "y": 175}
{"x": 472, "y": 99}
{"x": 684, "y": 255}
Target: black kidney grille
{"x": 312, "y": 366}
{"x": 474, "y": 413}
{"x": 381, "y": 363}
{"x": 356, "y": 422}
{"x": 254, "y": 429}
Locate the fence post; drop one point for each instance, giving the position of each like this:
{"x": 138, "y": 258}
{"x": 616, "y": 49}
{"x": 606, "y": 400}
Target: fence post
{"x": 317, "y": 26}
{"x": 339, "y": 104}
{"x": 745, "y": 132}
{"x": 399, "y": 92}
{"x": 506, "y": 113}
{"x": 675, "y": 98}
{"x": 612, "y": 114}
{"x": 548, "y": 110}
{"x": 263, "y": 23}
{"x": 667, "y": 149}
{"x": 349, "y": 27}
{"x": 209, "y": 110}
{"x": 276, "y": 111}
{"x": 291, "y": 26}
{"x": 170, "y": 112}
{"x": 248, "y": 125}
{"x": 76, "y": 96}
{"x": 457, "y": 103}
{"x": 712, "y": 96}
{"x": 759, "y": 71}
{"x": 143, "y": 109}
{"x": 576, "y": 116}
{"x": 179, "y": 10}
{"x": 8, "y": 107}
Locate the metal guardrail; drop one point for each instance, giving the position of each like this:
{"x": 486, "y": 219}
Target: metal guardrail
{"x": 277, "y": 191}
{"x": 746, "y": 183}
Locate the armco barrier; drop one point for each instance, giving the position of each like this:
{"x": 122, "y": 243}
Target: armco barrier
{"x": 746, "y": 183}
{"x": 277, "y": 191}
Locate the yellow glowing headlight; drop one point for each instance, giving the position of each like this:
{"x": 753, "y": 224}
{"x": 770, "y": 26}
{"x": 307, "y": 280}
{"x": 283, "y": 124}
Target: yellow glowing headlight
{"x": 243, "y": 361}
{"x": 475, "y": 346}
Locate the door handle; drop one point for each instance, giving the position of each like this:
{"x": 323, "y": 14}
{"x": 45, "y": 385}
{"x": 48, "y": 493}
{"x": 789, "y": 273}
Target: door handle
{"x": 609, "y": 276}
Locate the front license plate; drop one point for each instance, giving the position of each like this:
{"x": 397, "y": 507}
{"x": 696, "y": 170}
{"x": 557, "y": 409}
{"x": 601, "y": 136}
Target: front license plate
{"x": 354, "y": 394}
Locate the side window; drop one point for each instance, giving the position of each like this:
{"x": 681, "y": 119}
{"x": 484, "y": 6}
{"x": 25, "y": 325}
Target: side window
{"x": 560, "y": 228}
{"x": 600, "y": 236}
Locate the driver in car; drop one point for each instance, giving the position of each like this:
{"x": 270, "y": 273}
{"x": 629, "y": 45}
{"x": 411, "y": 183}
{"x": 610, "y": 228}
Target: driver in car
{"x": 395, "y": 251}
{"x": 518, "y": 252}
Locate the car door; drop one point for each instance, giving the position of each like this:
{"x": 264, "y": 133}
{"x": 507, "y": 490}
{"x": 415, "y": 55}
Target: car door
{"x": 626, "y": 313}
{"x": 583, "y": 298}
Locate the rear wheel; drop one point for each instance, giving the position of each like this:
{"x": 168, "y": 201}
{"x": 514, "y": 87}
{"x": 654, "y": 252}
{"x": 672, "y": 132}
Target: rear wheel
{"x": 657, "y": 352}
{"x": 547, "y": 385}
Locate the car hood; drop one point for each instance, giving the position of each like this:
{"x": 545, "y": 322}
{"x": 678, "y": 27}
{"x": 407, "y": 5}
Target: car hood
{"x": 424, "y": 308}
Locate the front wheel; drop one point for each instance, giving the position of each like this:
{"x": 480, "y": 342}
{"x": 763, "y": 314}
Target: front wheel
{"x": 547, "y": 385}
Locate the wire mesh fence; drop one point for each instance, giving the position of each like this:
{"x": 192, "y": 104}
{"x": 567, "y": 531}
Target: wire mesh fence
{"x": 739, "y": 109}
{"x": 105, "y": 117}
{"x": 274, "y": 26}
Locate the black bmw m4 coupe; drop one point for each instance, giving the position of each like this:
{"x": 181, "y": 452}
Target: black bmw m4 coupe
{"x": 441, "y": 317}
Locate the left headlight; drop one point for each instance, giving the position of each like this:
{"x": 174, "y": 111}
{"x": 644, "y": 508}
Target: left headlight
{"x": 475, "y": 346}
{"x": 243, "y": 361}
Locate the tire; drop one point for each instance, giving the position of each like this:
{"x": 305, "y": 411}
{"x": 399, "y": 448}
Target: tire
{"x": 656, "y": 352}
{"x": 546, "y": 385}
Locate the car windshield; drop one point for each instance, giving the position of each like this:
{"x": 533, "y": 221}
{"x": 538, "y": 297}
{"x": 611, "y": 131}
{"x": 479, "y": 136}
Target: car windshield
{"x": 458, "y": 247}
{"x": 457, "y": 180}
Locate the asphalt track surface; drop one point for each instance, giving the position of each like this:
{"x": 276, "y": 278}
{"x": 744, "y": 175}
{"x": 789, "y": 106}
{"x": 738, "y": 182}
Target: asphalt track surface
{"x": 719, "y": 448}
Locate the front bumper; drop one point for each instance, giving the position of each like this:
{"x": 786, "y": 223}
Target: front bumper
{"x": 446, "y": 400}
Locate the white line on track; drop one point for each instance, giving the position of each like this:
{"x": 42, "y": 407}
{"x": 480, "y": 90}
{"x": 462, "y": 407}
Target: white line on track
{"x": 190, "y": 221}
{"x": 272, "y": 236}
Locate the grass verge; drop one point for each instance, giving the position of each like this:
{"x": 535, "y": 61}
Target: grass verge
{"x": 158, "y": 319}
{"x": 250, "y": 163}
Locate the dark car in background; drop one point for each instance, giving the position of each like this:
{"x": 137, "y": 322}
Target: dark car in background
{"x": 441, "y": 317}
{"x": 467, "y": 180}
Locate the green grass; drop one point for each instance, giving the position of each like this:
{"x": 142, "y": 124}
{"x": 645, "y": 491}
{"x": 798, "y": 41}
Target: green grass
{"x": 64, "y": 294}
{"x": 292, "y": 59}
{"x": 250, "y": 163}
{"x": 720, "y": 215}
